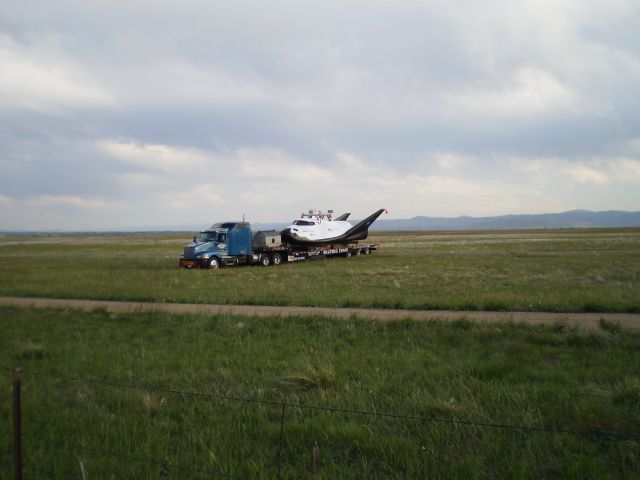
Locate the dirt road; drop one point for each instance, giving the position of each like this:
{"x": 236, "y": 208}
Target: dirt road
{"x": 628, "y": 321}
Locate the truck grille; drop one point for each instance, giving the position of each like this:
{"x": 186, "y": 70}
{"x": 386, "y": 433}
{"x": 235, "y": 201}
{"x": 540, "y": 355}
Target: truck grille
{"x": 189, "y": 253}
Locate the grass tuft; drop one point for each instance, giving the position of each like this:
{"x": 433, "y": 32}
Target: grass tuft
{"x": 31, "y": 351}
{"x": 627, "y": 393}
{"x": 319, "y": 378}
{"x": 611, "y": 327}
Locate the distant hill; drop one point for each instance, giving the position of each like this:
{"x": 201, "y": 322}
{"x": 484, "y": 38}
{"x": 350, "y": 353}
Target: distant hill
{"x": 570, "y": 219}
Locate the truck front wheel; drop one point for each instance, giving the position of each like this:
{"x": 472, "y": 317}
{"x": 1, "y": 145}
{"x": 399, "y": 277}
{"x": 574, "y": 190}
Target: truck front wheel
{"x": 214, "y": 263}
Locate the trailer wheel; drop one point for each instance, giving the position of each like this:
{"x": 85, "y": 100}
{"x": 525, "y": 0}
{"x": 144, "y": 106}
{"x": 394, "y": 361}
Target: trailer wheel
{"x": 366, "y": 251}
{"x": 214, "y": 263}
{"x": 357, "y": 252}
{"x": 265, "y": 261}
{"x": 348, "y": 254}
{"x": 276, "y": 259}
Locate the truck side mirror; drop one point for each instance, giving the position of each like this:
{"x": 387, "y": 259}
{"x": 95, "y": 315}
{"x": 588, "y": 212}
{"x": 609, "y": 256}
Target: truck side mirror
{"x": 194, "y": 238}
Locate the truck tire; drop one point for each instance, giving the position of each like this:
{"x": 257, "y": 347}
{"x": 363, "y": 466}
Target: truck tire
{"x": 265, "y": 261}
{"x": 214, "y": 263}
{"x": 276, "y": 259}
{"x": 366, "y": 251}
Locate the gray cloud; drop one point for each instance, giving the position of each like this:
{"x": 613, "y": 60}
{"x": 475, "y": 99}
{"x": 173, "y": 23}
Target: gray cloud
{"x": 120, "y": 113}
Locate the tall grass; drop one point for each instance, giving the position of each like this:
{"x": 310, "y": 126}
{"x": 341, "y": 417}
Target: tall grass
{"x": 550, "y": 377}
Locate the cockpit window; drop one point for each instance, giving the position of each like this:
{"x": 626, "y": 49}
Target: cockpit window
{"x": 303, "y": 222}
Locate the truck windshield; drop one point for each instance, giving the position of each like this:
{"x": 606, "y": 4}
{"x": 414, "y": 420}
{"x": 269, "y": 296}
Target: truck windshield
{"x": 303, "y": 222}
{"x": 207, "y": 236}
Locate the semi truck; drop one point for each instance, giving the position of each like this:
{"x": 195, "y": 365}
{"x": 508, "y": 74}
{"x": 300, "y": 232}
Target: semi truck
{"x": 234, "y": 243}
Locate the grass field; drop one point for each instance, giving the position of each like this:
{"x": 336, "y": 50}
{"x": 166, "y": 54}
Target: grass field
{"x": 448, "y": 374}
{"x": 564, "y": 270}
{"x": 111, "y": 395}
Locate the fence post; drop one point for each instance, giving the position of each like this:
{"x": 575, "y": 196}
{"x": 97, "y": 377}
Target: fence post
{"x": 17, "y": 424}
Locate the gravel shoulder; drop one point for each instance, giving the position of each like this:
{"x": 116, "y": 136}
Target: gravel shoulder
{"x": 588, "y": 321}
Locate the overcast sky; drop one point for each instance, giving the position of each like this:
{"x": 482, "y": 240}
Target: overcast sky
{"x": 152, "y": 113}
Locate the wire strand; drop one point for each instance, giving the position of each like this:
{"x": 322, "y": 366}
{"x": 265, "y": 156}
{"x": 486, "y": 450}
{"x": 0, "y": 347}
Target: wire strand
{"x": 433, "y": 419}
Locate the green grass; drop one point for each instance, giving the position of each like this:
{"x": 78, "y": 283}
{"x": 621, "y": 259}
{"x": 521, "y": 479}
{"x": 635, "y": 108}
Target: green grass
{"x": 551, "y": 377}
{"x": 559, "y": 270}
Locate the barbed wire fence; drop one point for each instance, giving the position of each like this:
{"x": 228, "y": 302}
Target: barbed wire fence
{"x": 24, "y": 439}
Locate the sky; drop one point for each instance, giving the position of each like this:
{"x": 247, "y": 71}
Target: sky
{"x": 120, "y": 114}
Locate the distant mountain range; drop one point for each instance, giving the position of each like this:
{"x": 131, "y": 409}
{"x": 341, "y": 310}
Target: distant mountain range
{"x": 570, "y": 219}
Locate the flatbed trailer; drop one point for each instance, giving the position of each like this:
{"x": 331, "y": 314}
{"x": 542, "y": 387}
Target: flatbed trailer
{"x": 232, "y": 243}
{"x": 290, "y": 255}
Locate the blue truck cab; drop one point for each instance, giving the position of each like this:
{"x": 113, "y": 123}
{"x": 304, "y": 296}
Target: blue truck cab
{"x": 227, "y": 243}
